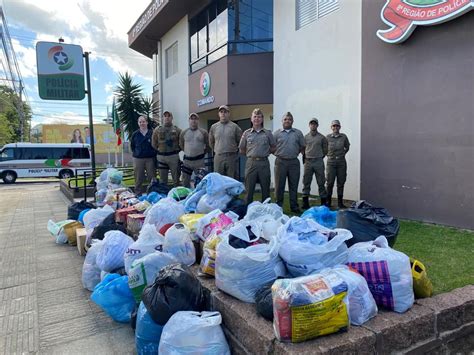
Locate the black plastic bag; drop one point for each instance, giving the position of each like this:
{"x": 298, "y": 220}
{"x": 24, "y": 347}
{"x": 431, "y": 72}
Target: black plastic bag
{"x": 367, "y": 222}
{"x": 76, "y": 208}
{"x": 264, "y": 301}
{"x": 238, "y": 206}
{"x": 108, "y": 224}
{"x": 175, "y": 289}
{"x": 158, "y": 187}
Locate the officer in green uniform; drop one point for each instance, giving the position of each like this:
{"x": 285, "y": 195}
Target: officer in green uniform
{"x": 316, "y": 149}
{"x": 338, "y": 146}
{"x": 257, "y": 143}
{"x": 289, "y": 144}
{"x": 166, "y": 141}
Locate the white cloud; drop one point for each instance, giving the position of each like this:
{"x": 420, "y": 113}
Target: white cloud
{"x": 95, "y": 78}
{"x": 109, "y": 87}
{"x": 26, "y": 59}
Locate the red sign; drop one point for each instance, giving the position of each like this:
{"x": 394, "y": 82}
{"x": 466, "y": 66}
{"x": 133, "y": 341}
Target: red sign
{"x": 404, "y": 15}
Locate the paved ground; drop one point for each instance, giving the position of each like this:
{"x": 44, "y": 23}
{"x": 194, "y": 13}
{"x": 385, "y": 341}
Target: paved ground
{"x": 43, "y": 306}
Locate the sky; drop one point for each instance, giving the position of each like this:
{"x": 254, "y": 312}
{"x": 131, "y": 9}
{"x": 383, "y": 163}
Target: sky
{"x": 99, "y": 27}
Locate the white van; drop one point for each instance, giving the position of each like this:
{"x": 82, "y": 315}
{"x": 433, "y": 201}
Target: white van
{"x": 19, "y": 160}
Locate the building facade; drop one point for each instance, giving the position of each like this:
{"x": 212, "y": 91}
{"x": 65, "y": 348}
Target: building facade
{"x": 403, "y": 91}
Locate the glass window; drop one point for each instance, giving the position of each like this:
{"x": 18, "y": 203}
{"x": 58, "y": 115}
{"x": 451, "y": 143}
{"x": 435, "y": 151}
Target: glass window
{"x": 7, "y": 154}
{"x": 172, "y": 60}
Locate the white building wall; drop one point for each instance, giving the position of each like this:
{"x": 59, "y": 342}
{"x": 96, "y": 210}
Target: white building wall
{"x": 175, "y": 88}
{"x": 317, "y": 73}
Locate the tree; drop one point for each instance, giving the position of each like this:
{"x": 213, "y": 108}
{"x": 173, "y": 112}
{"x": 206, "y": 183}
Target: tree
{"x": 149, "y": 110}
{"x": 10, "y": 108}
{"x": 6, "y": 131}
{"x": 129, "y": 102}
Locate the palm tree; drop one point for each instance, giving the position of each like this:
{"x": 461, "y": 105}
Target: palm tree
{"x": 129, "y": 102}
{"x": 150, "y": 109}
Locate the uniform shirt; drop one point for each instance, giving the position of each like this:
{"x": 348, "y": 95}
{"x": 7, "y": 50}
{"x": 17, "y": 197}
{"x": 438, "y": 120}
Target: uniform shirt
{"x": 338, "y": 146}
{"x": 166, "y": 139}
{"x": 141, "y": 144}
{"x": 257, "y": 144}
{"x": 194, "y": 142}
{"x": 316, "y": 146}
{"x": 288, "y": 143}
{"x": 225, "y": 137}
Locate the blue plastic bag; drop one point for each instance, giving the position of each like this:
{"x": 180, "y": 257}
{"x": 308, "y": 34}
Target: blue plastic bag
{"x": 147, "y": 332}
{"x": 81, "y": 215}
{"x": 322, "y": 215}
{"x": 114, "y": 296}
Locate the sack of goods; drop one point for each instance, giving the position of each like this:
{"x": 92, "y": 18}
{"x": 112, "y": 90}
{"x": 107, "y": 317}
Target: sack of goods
{"x": 194, "y": 333}
{"x": 110, "y": 256}
{"x": 308, "y": 307}
{"x": 114, "y": 297}
{"x": 208, "y": 260}
{"x": 421, "y": 283}
{"x": 179, "y": 244}
{"x": 90, "y": 270}
{"x": 208, "y": 203}
{"x": 147, "y": 332}
{"x": 93, "y": 217}
{"x": 362, "y": 306}
{"x": 144, "y": 271}
{"x": 307, "y": 247}
{"x": 106, "y": 225}
{"x": 212, "y": 223}
{"x": 179, "y": 193}
{"x": 175, "y": 289}
{"x": 57, "y": 230}
{"x": 367, "y": 222}
{"x": 387, "y": 272}
{"x": 165, "y": 211}
{"x": 322, "y": 215}
{"x": 74, "y": 210}
{"x": 245, "y": 262}
{"x": 149, "y": 241}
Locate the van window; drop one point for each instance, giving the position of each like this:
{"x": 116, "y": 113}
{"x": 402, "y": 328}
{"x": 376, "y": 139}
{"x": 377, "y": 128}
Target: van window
{"x": 80, "y": 153}
{"x": 7, "y": 154}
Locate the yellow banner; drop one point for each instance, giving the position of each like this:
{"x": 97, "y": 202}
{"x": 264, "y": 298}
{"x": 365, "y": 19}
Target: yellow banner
{"x": 105, "y": 137}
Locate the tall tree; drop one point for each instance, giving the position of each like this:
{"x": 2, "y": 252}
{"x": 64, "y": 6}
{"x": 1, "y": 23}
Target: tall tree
{"x": 10, "y": 108}
{"x": 149, "y": 109}
{"x": 129, "y": 102}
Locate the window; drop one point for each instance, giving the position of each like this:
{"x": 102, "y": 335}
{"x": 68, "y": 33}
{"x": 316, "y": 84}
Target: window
{"x": 7, "y": 154}
{"x": 172, "y": 60}
{"x": 80, "y": 153}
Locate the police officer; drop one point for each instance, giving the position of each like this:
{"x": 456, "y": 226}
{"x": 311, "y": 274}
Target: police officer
{"x": 316, "y": 150}
{"x": 338, "y": 146}
{"x": 194, "y": 142}
{"x": 224, "y": 138}
{"x": 166, "y": 141}
{"x": 257, "y": 143}
{"x": 289, "y": 144}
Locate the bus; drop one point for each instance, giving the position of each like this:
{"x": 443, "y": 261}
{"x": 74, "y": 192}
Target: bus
{"x": 31, "y": 160}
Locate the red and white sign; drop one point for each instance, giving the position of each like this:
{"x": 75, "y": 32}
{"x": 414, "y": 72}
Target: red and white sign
{"x": 404, "y": 15}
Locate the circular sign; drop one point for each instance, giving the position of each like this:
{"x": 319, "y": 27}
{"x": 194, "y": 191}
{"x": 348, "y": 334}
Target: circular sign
{"x": 205, "y": 84}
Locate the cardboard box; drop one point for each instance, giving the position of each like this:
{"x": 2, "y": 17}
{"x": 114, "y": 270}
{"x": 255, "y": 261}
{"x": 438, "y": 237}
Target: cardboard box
{"x": 81, "y": 234}
{"x": 134, "y": 224}
{"x": 121, "y": 214}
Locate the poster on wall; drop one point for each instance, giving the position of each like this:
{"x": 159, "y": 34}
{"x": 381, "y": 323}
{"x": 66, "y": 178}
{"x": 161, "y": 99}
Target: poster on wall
{"x": 404, "y": 15}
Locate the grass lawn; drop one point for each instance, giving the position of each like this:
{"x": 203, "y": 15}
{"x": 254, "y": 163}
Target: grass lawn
{"x": 446, "y": 252}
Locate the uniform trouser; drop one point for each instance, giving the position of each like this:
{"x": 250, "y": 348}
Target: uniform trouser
{"x": 257, "y": 171}
{"x": 336, "y": 169}
{"x": 226, "y": 164}
{"x": 287, "y": 169}
{"x": 169, "y": 163}
{"x": 316, "y": 167}
{"x": 188, "y": 167}
{"x": 140, "y": 165}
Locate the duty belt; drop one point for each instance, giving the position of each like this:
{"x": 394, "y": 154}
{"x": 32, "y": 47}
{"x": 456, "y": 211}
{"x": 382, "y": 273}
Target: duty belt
{"x": 197, "y": 157}
{"x": 226, "y": 153}
{"x": 258, "y": 158}
{"x": 287, "y": 158}
{"x": 168, "y": 153}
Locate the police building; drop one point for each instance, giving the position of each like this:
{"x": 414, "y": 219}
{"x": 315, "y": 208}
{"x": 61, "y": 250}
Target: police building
{"x": 398, "y": 74}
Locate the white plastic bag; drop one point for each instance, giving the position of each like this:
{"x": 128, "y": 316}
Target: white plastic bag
{"x": 258, "y": 209}
{"x": 165, "y": 211}
{"x": 111, "y": 255}
{"x": 208, "y": 203}
{"x": 242, "y": 272}
{"x": 189, "y": 332}
{"x": 361, "y": 303}
{"x": 93, "y": 217}
{"x": 90, "y": 271}
{"x": 387, "y": 272}
{"x": 149, "y": 241}
{"x": 57, "y": 230}
{"x": 307, "y": 247}
{"x": 178, "y": 242}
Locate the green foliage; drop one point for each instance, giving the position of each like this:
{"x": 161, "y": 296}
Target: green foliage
{"x": 149, "y": 110}
{"x": 6, "y": 131}
{"x": 129, "y": 102}
{"x": 10, "y": 128}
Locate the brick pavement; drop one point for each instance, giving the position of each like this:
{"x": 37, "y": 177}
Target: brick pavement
{"x": 43, "y": 306}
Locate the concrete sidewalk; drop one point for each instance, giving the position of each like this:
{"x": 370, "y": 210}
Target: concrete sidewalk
{"x": 44, "y": 308}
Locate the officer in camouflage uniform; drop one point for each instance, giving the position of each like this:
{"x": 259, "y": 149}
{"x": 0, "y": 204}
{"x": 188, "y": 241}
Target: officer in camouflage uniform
{"x": 316, "y": 150}
{"x": 338, "y": 146}
{"x": 166, "y": 141}
{"x": 257, "y": 143}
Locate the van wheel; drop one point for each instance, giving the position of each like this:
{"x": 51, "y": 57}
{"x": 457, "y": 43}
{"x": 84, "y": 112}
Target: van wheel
{"x": 9, "y": 177}
{"x": 66, "y": 174}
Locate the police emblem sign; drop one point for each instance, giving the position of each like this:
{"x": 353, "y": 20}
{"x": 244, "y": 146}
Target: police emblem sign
{"x": 60, "y": 71}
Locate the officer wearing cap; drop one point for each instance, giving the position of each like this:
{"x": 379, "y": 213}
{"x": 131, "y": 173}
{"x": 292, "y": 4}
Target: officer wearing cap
{"x": 257, "y": 144}
{"x": 289, "y": 144}
{"x": 194, "y": 142}
{"x": 315, "y": 151}
{"x": 338, "y": 146}
{"x": 224, "y": 138}
{"x": 166, "y": 141}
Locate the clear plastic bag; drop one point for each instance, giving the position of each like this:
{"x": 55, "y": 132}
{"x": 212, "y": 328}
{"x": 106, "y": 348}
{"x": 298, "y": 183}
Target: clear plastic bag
{"x": 111, "y": 255}
{"x": 178, "y": 243}
{"x": 165, "y": 211}
{"x": 208, "y": 203}
{"x": 90, "y": 271}
{"x": 57, "y": 230}
{"x": 149, "y": 241}
{"x": 387, "y": 272}
{"x": 190, "y": 332}
{"x": 258, "y": 209}
{"x": 93, "y": 218}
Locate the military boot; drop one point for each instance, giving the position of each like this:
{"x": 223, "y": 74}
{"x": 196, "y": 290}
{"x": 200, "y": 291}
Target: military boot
{"x": 329, "y": 201}
{"x": 305, "y": 202}
{"x": 323, "y": 201}
{"x": 340, "y": 202}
